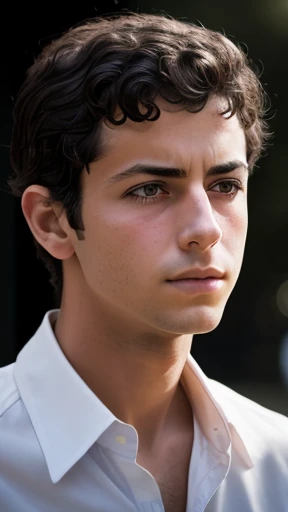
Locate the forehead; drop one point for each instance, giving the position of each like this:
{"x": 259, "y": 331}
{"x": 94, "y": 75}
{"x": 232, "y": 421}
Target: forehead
{"x": 177, "y": 137}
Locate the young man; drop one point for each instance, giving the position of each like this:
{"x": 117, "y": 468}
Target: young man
{"x": 133, "y": 141}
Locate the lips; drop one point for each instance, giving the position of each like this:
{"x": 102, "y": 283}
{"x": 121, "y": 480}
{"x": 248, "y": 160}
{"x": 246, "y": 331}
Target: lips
{"x": 198, "y": 281}
{"x": 199, "y": 273}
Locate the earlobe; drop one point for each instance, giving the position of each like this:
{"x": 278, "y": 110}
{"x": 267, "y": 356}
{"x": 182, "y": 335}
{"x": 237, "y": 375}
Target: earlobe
{"x": 46, "y": 222}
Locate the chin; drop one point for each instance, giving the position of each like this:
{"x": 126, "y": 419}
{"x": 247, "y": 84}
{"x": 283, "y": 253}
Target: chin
{"x": 205, "y": 327}
{"x": 209, "y": 319}
{"x": 200, "y": 321}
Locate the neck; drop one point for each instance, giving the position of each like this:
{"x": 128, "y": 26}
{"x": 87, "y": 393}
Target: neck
{"x": 134, "y": 371}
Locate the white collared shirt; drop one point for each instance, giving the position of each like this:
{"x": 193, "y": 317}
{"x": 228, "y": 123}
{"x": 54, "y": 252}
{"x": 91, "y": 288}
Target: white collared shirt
{"x": 62, "y": 450}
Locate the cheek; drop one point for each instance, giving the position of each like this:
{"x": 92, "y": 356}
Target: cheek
{"x": 234, "y": 228}
{"x": 126, "y": 230}
{"x": 241, "y": 220}
{"x": 236, "y": 240}
{"x": 118, "y": 248}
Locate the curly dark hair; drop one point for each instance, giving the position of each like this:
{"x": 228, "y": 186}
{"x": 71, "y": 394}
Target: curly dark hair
{"x": 121, "y": 61}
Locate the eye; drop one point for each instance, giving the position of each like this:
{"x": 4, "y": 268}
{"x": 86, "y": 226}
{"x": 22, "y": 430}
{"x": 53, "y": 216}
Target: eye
{"x": 227, "y": 187}
{"x": 148, "y": 195}
{"x": 149, "y": 189}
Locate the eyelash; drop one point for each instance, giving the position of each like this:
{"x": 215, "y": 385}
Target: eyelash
{"x": 150, "y": 199}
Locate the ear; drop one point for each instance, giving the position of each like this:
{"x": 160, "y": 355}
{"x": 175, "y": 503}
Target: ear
{"x": 47, "y": 222}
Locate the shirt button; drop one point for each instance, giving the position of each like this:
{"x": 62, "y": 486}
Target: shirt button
{"x": 121, "y": 439}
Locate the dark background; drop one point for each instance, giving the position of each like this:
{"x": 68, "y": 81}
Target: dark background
{"x": 244, "y": 350}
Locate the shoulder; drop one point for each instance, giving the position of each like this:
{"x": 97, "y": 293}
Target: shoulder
{"x": 257, "y": 422}
{"x": 243, "y": 402}
{"x": 9, "y": 393}
{"x": 264, "y": 435}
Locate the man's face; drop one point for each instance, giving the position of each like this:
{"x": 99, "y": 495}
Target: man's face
{"x": 142, "y": 231}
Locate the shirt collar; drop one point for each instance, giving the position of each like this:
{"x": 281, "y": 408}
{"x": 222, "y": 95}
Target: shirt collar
{"x": 66, "y": 415}
{"x": 68, "y": 418}
{"x": 215, "y": 412}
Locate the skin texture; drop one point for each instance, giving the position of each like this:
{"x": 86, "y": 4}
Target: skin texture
{"x": 122, "y": 326}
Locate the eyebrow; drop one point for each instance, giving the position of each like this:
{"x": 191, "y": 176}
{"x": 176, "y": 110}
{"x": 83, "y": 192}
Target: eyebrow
{"x": 174, "y": 172}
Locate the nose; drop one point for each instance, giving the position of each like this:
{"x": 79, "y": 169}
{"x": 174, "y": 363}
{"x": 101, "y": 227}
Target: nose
{"x": 198, "y": 224}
